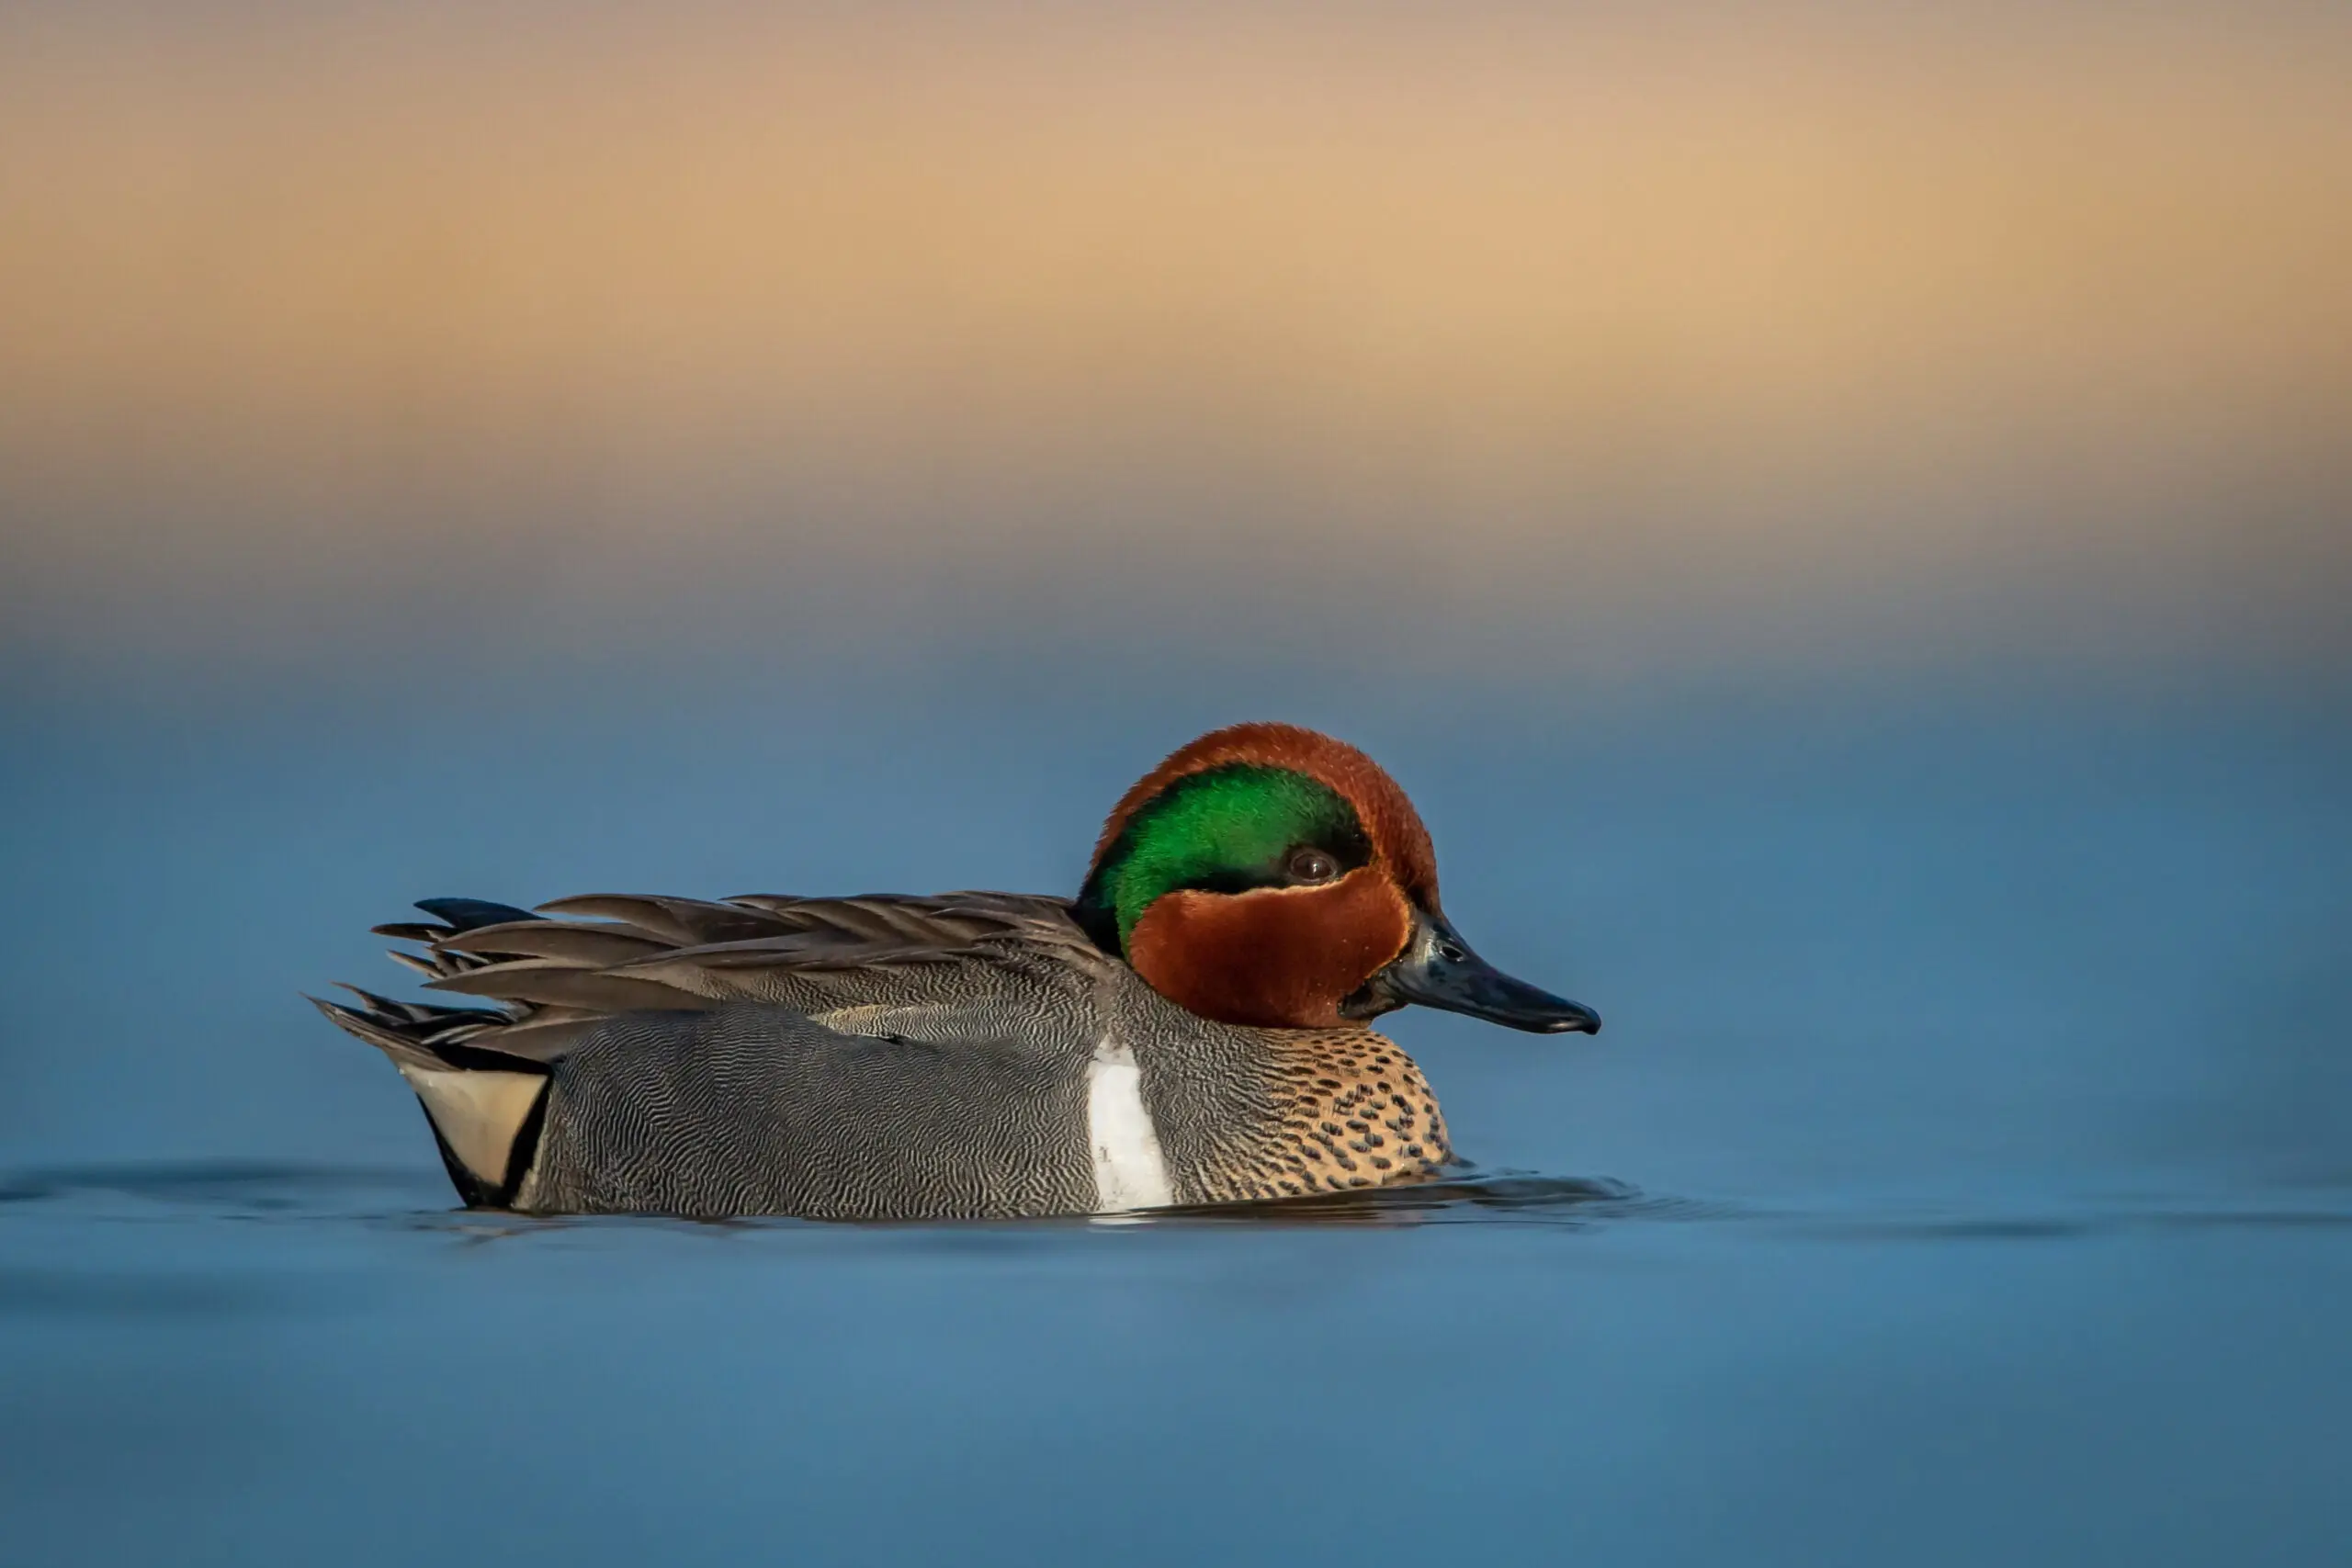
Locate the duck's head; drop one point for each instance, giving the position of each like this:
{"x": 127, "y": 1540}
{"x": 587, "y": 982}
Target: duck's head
{"x": 1265, "y": 874}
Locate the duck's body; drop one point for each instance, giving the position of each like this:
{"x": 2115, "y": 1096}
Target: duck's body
{"x": 964, "y": 1055}
{"x": 870, "y": 1058}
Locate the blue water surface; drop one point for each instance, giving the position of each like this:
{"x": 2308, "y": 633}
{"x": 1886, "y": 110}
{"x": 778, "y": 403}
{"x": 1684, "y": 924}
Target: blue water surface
{"x": 1965, "y": 1175}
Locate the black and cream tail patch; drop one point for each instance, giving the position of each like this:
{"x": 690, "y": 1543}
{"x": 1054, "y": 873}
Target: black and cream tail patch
{"x": 486, "y": 1106}
{"x": 488, "y": 1124}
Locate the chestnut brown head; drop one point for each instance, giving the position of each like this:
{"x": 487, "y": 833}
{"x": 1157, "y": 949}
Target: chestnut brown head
{"x": 1270, "y": 876}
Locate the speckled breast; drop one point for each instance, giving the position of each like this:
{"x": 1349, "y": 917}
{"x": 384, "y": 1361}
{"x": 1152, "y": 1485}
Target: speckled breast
{"x": 1245, "y": 1113}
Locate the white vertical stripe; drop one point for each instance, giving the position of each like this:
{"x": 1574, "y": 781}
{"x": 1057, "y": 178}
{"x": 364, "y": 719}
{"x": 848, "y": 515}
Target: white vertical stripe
{"x": 1129, "y": 1171}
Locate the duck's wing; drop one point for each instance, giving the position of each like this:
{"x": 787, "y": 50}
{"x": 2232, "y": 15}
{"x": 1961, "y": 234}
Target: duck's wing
{"x": 877, "y": 962}
{"x": 998, "y": 973}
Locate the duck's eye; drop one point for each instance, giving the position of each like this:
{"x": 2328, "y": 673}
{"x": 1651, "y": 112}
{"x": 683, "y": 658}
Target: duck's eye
{"x": 1307, "y": 863}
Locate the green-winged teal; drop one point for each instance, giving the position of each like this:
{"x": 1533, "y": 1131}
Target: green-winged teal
{"x": 1189, "y": 1030}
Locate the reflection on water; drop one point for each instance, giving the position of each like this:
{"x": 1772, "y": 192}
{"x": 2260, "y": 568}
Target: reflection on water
{"x": 247, "y": 1189}
{"x": 225, "y": 1186}
{"x": 218, "y": 1190}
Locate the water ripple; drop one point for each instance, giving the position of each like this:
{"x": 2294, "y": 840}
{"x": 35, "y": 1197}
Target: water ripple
{"x": 263, "y": 1191}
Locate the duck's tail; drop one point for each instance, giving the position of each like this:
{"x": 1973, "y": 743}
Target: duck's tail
{"x": 485, "y": 1104}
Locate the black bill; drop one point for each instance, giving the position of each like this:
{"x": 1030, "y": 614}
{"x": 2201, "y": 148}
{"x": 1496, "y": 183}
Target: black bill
{"x": 1437, "y": 969}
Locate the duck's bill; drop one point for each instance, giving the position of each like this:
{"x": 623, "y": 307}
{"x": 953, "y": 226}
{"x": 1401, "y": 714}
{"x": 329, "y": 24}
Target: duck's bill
{"x": 1438, "y": 969}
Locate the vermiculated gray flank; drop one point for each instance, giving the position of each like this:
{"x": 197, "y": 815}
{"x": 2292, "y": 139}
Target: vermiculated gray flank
{"x": 752, "y": 1108}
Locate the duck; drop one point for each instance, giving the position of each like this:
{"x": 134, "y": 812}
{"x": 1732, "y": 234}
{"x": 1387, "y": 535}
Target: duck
{"x": 1191, "y": 1029}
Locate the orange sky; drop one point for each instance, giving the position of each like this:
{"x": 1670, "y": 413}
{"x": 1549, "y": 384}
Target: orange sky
{"x": 1705, "y": 309}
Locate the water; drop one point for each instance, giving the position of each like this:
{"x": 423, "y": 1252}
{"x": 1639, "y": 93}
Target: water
{"x": 1965, "y": 1175}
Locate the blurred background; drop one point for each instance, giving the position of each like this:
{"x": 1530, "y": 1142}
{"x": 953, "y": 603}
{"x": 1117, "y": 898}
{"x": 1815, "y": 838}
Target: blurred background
{"x": 1842, "y": 516}
{"x": 1568, "y": 345}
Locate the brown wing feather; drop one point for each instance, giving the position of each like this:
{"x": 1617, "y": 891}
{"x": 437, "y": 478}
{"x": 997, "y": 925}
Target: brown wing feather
{"x": 575, "y": 942}
{"x": 627, "y": 953}
{"x": 679, "y": 922}
{"x": 546, "y": 983}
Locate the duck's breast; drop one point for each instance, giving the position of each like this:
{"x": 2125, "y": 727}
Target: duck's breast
{"x": 1255, "y": 1114}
